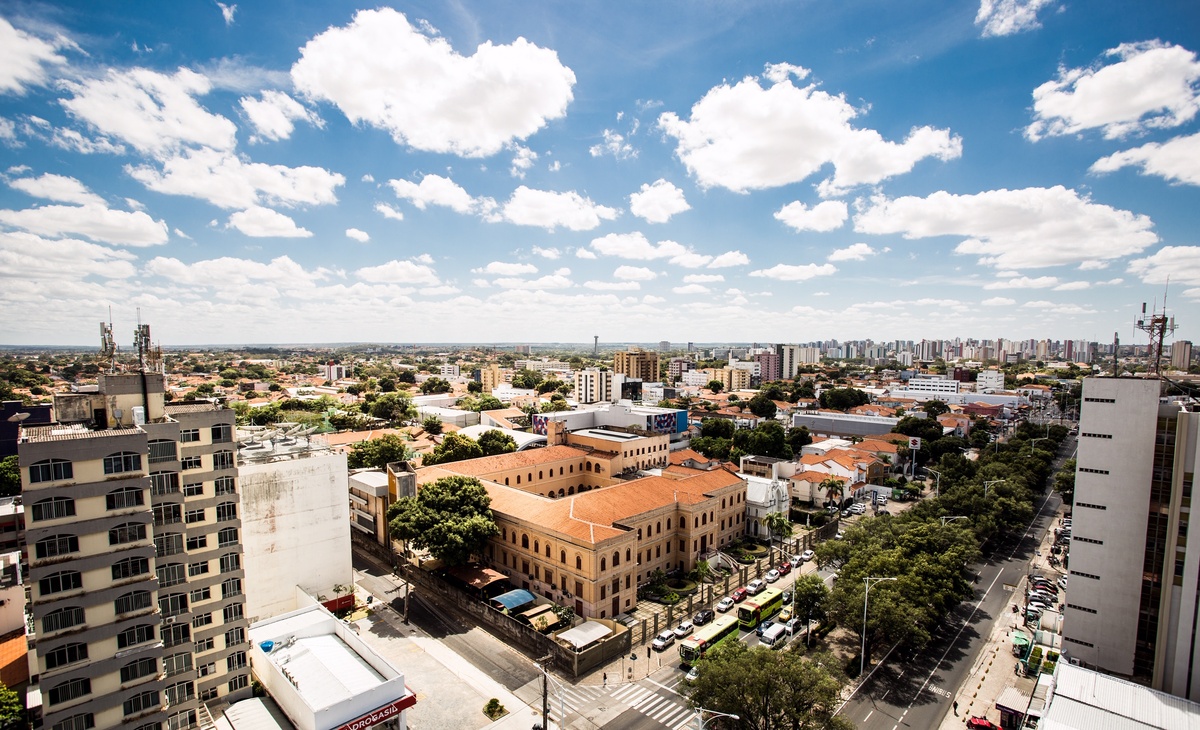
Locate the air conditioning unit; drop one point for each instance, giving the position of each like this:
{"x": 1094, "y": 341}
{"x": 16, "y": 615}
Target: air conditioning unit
{"x": 169, "y": 620}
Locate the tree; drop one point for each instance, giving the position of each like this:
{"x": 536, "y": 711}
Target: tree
{"x": 387, "y": 385}
{"x": 843, "y": 399}
{"x": 10, "y": 477}
{"x": 435, "y": 385}
{"x": 12, "y": 708}
{"x": 798, "y": 438}
{"x": 717, "y": 428}
{"x": 378, "y": 452}
{"x": 526, "y": 378}
{"x": 454, "y": 447}
{"x": 407, "y": 376}
{"x": 474, "y": 387}
{"x": 834, "y": 488}
{"x": 762, "y": 406}
{"x": 548, "y": 385}
{"x": 715, "y": 386}
{"x": 766, "y": 439}
{"x": 432, "y": 425}
{"x": 393, "y": 407}
{"x": 935, "y": 408}
{"x": 448, "y": 517}
{"x": 809, "y": 593}
{"x": 1064, "y": 481}
{"x": 495, "y": 441}
{"x": 778, "y": 524}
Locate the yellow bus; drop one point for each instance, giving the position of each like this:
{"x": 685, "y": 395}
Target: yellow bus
{"x": 755, "y": 609}
{"x": 722, "y": 629}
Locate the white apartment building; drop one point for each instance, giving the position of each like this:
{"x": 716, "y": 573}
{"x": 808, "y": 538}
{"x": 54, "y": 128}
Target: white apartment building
{"x": 593, "y": 386}
{"x": 1132, "y": 602}
{"x": 449, "y": 371}
{"x": 989, "y": 380}
{"x": 928, "y": 386}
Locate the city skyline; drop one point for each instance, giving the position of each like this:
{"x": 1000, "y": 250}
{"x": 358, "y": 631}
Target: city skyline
{"x": 429, "y": 172}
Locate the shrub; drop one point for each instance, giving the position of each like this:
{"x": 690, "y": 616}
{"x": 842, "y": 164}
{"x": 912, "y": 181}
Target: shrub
{"x": 494, "y": 710}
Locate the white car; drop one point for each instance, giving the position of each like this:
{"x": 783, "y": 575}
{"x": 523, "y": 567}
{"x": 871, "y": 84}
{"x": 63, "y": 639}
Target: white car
{"x": 693, "y": 673}
{"x": 684, "y": 630}
{"x": 858, "y": 508}
{"x": 805, "y": 556}
{"x": 755, "y": 587}
{"x": 772, "y": 575}
{"x": 663, "y": 640}
{"x": 725, "y": 604}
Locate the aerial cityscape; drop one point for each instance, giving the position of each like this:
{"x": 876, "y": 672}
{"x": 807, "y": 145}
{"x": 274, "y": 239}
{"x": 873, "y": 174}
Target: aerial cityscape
{"x": 674, "y": 365}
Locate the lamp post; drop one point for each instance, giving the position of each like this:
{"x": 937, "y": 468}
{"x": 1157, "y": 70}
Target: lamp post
{"x": 1034, "y": 441}
{"x": 700, "y": 716}
{"x": 862, "y": 660}
{"x": 951, "y": 519}
{"x": 937, "y": 487}
{"x": 988, "y": 485}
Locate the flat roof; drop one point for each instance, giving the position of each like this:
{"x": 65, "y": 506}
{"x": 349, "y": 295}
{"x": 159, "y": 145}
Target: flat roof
{"x": 586, "y": 633}
{"x": 323, "y": 667}
{"x": 602, "y": 433}
{"x": 61, "y": 432}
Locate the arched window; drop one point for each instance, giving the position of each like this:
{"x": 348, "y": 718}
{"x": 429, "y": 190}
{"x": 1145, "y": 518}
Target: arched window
{"x": 599, "y": 469}
{"x": 562, "y": 493}
{"x": 64, "y": 580}
{"x": 547, "y": 549}
{"x": 571, "y": 489}
{"x": 562, "y": 557}
{"x": 50, "y": 470}
{"x": 639, "y": 533}
{"x": 537, "y": 548}
{"x": 531, "y": 476}
{"x": 627, "y": 554}
{"x": 55, "y": 545}
{"x": 658, "y": 528}
{"x": 503, "y": 534}
{"x": 540, "y": 476}
{"x": 121, "y": 462}
{"x": 603, "y": 565}
{"x": 668, "y": 523}
{"x": 589, "y": 466}
{"x": 127, "y": 532}
{"x": 704, "y": 519}
{"x": 572, "y": 469}
{"x": 506, "y": 482}
{"x": 722, "y": 503}
{"x": 518, "y": 479}
{"x": 124, "y": 498}
{"x": 66, "y": 654}
{"x": 616, "y": 558}
{"x": 578, "y": 563}
{"x": 514, "y": 540}
{"x": 525, "y": 541}
{"x": 62, "y": 618}
{"x": 53, "y": 508}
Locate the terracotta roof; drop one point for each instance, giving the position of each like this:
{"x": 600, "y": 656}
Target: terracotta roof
{"x": 682, "y": 455}
{"x": 878, "y": 446}
{"x": 808, "y": 475}
{"x": 517, "y": 460}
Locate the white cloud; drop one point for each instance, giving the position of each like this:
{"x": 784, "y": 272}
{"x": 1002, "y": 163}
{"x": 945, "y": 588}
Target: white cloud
{"x": 550, "y": 210}
{"x": 1008, "y": 17}
{"x": 702, "y": 278}
{"x": 691, "y": 289}
{"x": 275, "y": 114}
{"x": 388, "y": 211}
{"x": 998, "y": 302}
{"x": 747, "y": 137}
{"x": 259, "y": 222}
{"x": 547, "y": 253}
{"x": 59, "y": 188}
{"x": 181, "y": 234}
{"x": 423, "y": 259}
{"x": 228, "y": 271}
{"x": 153, "y": 112}
{"x": 614, "y": 144}
{"x": 1023, "y": 282}
{"x": 357, "y": 235}
{"x": 502, "y": 268}
{"x": 1177, "y": 263}
{"x": 1057, "y": 308}
{"x": 94, "y": 221}
{"x": 651, "y": 299}
{"x": 635, "y": 246}
{"x": 229, "y": 181}
{"x": 550, "y": 281}
{"x": 1073, "y": 286}
{"x": 583, "y": 253}
{"x": 37, "y": 258}
{"x": 400, "y": 272}
{"x": 612, "y": 285}
{"x": 1015, "y": 229}
{"x": 368, "y": 178}
{"x": 728, "y": 259}
{"x": 854, "y": 252}
{"x": 554, "y": 166}
{"x": 657, "y": 202}
{"x": 435, "y": 190}
{"x": 1176, "y": 160}
{"x": 826, "y": 216}
{"x": 69, "y": 139}
{"x": 788, "y": 272}
{"x": 1152, "y": 85}
{"x": 227, "y": 12}
{"x": 8, "y": 130}
{"x": 438, "y": 291}
{"x": 634, "y": 273}
{"x": 381, "y": 71}
{"x": 523, "y": 159}
{"x": 24, "y": 58}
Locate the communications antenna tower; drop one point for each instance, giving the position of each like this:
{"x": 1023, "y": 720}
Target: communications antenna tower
{"x": 1157, "y": 325}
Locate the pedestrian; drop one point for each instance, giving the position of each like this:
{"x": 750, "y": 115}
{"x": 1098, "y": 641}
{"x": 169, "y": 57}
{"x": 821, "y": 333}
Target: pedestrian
{"x": 606, "y": 679}
{"x": 956, "y": 708}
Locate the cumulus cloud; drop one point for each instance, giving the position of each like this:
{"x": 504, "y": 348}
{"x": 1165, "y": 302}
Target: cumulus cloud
{"x": 1008, "y": 17}
{"x": 826, "y": 216}
{"x": 998, "y": 302}
{"x": 789, "y": 272}
{"x": 40, "y": 258}
{"x": 502, "y": 268}
{"x": 729, "y": 258}
{"x": 1176, "y": 160}
{"x": 259, "y": 222}
{"x": 228, "y": 181}
{"x": 59, "y": 188}
{"x": 1150, "y": 85}
{"x": 548, "y": 209}
{"x": 523, "y": 159}
{"x": 154, "y": 113}
{"x": 1056, "y": 307}
{"x": 93, "y": 220}
{"x": 549, "y": 281}
{"x": 636, "y": 247}
{"x": 658, "y": 201}
{"x": 1015, "y": 229}
{"x": 1023, "y": 282}
{"x": 634, "y": 273}
{"x": 382, "y": 71}
{"x": 547, "y": 253}
{"x": 691, "y": 289}
{"x": 750, "y": 137}
{"x": 8, "y": 130}
{"x": 702, "y": 278}
{"x": 24, "y": 58}
{"x": 614, "y": 144}
{"x": 388, "y": 211}
{"x": 612, "y": 285}
{"x": 357, "y": 235}
{"x": 855, "y": 252}
{"x": 435, "y": 190}
{"x": 1177, "y": 263}
{"x": 409, "y": 273}
{"x": 274, "y": 115}
{"x": 227, "y": 12}
{"x": 229, "y": 271}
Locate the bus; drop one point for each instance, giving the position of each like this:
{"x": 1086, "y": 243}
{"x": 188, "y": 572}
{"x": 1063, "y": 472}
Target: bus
{"x": 722, "y": 629}
{"x": 757, "y": 608}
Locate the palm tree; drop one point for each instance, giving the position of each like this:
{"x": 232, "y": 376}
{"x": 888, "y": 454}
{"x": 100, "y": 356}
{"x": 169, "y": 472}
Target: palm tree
{"x": 778, "y": 523}
{"x": 834, "y": 489}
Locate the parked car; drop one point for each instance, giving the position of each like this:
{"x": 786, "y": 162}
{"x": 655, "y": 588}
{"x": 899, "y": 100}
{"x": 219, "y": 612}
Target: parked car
{"x": 784, "y": 568}
{"x": 763, "y": 627}
{"x": 858, "y": 508}
{"x": 840, "y": 535}
{"x": 980, "y": 723}
{"x": 845, "y": 513}
{"x": 663, "y": 640}
{"x": 806, "y": 556}
{"x": 1063, "y": 582}
{"x": 739, "y": 595}
{"x": 772, "y": 575}
{"x": 703, "y": 616}
{"x": 725, "y": 604}
{"x": 755, "y": 587}
{"x": 684, "y": 629}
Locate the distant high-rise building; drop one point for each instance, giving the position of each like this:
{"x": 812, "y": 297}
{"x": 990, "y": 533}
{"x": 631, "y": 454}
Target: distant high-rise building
{"x": 769, "y": 368}
{"x": 637, "y": 364}
{"x": 523, "y": 349}
{"x": 593, "y": 386}
{"x": 491, "y": 377}
{"x": 664, "y": 345}
{"x": 1181, "y": 354}
{"x": 677, "y": 367}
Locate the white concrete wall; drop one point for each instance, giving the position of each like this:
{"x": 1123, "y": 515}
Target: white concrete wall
{"x": 295, "y": 531}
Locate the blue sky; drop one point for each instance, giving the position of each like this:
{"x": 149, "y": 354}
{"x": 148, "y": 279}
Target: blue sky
{"x": 532, "y": 171}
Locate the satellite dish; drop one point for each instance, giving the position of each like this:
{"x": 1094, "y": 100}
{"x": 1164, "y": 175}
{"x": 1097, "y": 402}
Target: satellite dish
{"x": 17, "y": 417}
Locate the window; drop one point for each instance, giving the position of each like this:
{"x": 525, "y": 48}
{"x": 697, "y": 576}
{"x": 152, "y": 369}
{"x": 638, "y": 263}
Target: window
{"x": 1096, "y": 435}
{"x": 209, "y": 694}
{"x": 1099, "y": 400}
{"x": 62, "y": 618}
{"x": 50, "y": 470}
{"x": 525, "y": 541}
{"x": 134, "y": 635}
{"x": 191, "y": 462}
{"x": 201, "y": 594}
{"x": 1088, "y": 539}
{"x": 204, "y": 645}
{"x": 70, "y": 690}
{"x": 173, "y": 604}
{"x": 239, "y": 682}
{"x": 1091, "y": 506}
{"x": 128, "y": 532}
{"x": 138, "y": 669}
{"x": 161, "y": 450}
{"x": 55, "y": 545}
{"x": 578, "y": 563}
{"x": 196, "y": 542}
{"x": 129, "y": 567}
{"x": 206, "y": 669}
{"x": 164, "y": 482}
{"x": 124, "y": 498}
{"x": 231, "y": 562}
{"x": 167, "y": 514}
{"x": 231, "y": 588}
{"x": 1093, "y": 471}
{"x": 195, "y": 569}
{"x": 196, "y": 489}
{"x": 171, "y": 574}
{"x": 1081, "y": 608}
{"x": 66, "y": 654}
{"x": 176, "y": 634}
{"x": 193, "y": 516}
{"x": 144, "y": 701}
{"x": 189, "y": 435}
{"x": 182, "y": 720}
{"x": 223, "y": 460}
{"x": 222, "y": 433}
{"x": 180, "y": 692}
{"x": 224, "y": 485}
{"x": 236, "y": 660}
{"x": 202, "y": 620}
{"x": 132, "y": 601}
{"x": 227, "y": 537}
{"x": 232, "y": 612}
{"x": 82, "y": 721}
{"x": 226, "y": 511}
{"x": 168, "y": 544}
{"x": 54, "y": 508}
{"x": 66, "y": 580}
{"x": 603, "y": 564}
{"x": 562, "y": 556}
{"x": 120, "y": 463}
{"x": 1085, "y": 575}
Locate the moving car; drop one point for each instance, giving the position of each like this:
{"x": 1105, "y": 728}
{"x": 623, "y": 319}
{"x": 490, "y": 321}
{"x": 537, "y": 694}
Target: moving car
{"x": 793, "y": 625}
{"x": 684, "y": 629}
{"x": 980, "y": 723}
{"x": 764, "y": 626}
{"x": 703, "y": 616}
{"x": 772, "y": 575}
{"x": 755, "y": 587}
{"x": 739, "y": 595}
{"x": 693, "y": 673}
{"x": 663, "y": 640}
{"x": 725, "y": 604}
{"x": 787, "y": 597}
{"x": 785, "y": 615}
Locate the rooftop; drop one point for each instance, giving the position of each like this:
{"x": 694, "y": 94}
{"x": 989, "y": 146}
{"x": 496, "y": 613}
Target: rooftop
{"x": 61, "y": 432}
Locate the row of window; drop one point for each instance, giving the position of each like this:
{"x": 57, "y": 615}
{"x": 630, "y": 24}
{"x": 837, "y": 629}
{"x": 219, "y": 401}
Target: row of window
{"x": 167, "y": 544}
{"x": 123, "y": 462}
{"x": 55, "y": 508}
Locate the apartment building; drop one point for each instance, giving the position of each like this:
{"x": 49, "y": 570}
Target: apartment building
{"x": 135, "y": 565}
{"x": 637, "y": 364}
{"x": 1134, "y": 586}
{"x": 491, "y": 376}
{"x": 593, "y": 386}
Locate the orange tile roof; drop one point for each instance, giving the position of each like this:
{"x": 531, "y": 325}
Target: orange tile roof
{"x": 682, "y": 455}
{"x": 808, "y": 475}
{"x": 517, "y": 460}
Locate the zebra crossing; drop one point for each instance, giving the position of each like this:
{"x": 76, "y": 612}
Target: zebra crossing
{"x": 667, "y": 711}
{"x": 572, "y": 699}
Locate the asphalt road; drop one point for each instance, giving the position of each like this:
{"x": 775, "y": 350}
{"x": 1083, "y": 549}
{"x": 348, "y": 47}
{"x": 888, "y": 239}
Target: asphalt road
{"x": 917, "y": 691}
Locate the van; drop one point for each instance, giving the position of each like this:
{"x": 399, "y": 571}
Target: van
{"x": 775, "y": 636}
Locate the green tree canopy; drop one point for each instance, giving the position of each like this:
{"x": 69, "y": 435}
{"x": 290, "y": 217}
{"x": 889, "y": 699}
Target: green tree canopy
{"x": 448, "y": 517}
{"x": 766, "y": 439}
{"x": 435, "y": 385}
{"x": 843, "y": 399}
{"x": 454, "y": 447}
{"x": 798, "y": 438}
{"x": 495, "y": 441}
{"x": 935, "y": 408}
{"x": 526, "y": 378}
{"x": 715, "y": 386}
{"x": 12, "y": 708}
{"x": 717, "y": 428}
{"x": 432, "y": 425}
{"x": 393, "y": 407}
{"x": 378, "y": 452}
{"x": 10, "y": 477}
{"x": 762, "y": 406}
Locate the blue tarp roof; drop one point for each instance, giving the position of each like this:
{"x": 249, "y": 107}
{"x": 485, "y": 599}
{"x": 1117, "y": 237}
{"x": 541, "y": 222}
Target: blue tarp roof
{"x": 514, "y": 599}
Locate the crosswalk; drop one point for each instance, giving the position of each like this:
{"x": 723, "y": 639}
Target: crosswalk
{"x": 660, "y": 705}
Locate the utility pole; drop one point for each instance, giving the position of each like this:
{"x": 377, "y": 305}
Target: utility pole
{"x": 545, "y": 661}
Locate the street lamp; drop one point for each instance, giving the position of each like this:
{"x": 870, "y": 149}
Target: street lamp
{"x": 951, "y": 519}
{"x": 988, "y": 485}
{"x": 700, "y": 716}
{"x": 937, "y": 487}
{"x": 1034, "y": 441}
{"x": 862, "y": 660}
